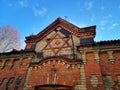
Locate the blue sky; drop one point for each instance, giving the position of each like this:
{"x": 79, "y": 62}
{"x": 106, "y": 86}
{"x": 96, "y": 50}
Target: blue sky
{"x": 32, "y": 16}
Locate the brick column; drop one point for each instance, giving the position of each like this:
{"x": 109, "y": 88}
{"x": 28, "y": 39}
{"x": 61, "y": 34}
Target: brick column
{"x": 84, "y": 57}
{"x": 25, "y": 87}
{"x": 3, "y": 63}
{"x": 11, "y": 63}
{"x": 82, "y": 85}
{"x": 20, "y": 62}
{"x": 110, "y": 57}
{"x": 97, "y": 58}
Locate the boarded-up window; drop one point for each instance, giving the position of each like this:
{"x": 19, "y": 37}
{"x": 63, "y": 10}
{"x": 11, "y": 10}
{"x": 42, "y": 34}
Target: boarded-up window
{"x": 32, "y": 47}
{"x": 40, "y": 54}
{"x": 17, "y": 83}
{"x": 65, "y": 32}
{"x": 108, "y": 82}
{"x": 10, "y": 82}
{"x": 84, "y": 41}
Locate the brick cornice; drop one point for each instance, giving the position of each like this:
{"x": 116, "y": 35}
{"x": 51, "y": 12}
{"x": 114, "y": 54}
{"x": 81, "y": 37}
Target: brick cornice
{"x": 92, "y": 48}
{"x": 17, "y": 54}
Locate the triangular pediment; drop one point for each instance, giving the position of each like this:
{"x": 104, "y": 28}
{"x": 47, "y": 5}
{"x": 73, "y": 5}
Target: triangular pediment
{"x": 64, "y": 28}
{"x": 58, "y": 22}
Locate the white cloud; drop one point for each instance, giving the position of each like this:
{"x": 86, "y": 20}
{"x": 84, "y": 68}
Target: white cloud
{"x": 81, "y": 25}
{"x": 23, "y": 3}
{"x": 102, "y": 7}
{"x": 107, "y": 17}
{"x": 89, "y": 5}
{"x": 102, "y": 22}
{"x": 113, "y": 25}
{"x": 39, "y": 12}
{"x": 102, "y": 28}
{"x": 12, "y": 4}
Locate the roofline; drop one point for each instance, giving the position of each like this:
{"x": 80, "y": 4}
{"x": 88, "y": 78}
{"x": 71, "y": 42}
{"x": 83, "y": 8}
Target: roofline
{"x": 108, "y": 42}
{"x": 76, "y": 29}
{"x": 17, "y": 52}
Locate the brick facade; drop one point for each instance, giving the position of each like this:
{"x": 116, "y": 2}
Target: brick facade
{"x": 62, "y": 57}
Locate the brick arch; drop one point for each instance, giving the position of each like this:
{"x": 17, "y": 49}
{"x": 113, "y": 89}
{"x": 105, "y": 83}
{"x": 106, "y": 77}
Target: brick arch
{"x": 55, "y": 70}
{"x": 58, "y": 58}
{"x": 53, "y": 87}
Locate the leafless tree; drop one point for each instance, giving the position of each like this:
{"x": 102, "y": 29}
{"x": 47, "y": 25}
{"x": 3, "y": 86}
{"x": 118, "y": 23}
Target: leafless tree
{"x": 9, "y": 39}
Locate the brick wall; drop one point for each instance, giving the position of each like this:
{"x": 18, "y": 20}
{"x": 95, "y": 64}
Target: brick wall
{"x": 54, "y": 71}
{"x": 92, "y": 68}
{"x": 13, "y": 77}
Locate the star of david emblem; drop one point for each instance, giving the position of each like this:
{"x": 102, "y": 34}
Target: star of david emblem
{"x": 56, "y": 43}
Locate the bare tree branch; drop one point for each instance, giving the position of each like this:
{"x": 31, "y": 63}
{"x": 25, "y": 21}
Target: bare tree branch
{"x": 9, "y": 39}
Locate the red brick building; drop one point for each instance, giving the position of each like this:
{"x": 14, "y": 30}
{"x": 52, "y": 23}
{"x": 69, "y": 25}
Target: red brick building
{"x": 62, "y": 57}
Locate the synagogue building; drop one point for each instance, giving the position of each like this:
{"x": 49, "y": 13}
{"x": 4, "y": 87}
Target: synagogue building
{"x": 63, "y": 56}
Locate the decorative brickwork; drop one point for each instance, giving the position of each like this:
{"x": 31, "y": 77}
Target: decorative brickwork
{"x": 62, "y": 57}
{"x": 94, "y": 80}
{"x": 84, "y": 57}
{"x": 97, "y": 58}
{"x": 110, "y": 56}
